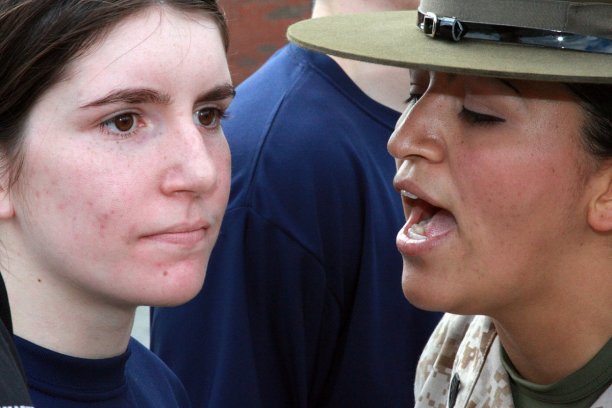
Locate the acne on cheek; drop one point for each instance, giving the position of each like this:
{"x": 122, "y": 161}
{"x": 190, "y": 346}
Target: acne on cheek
{"x": 49, "y": 185}
{"x": 102, "y": 219}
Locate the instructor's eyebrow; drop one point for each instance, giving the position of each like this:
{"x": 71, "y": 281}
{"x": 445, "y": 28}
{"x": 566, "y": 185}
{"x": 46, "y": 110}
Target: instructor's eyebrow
{"x": 510, "y": 85}
{"x": 503, "y": 81}
{"x": 131, "y": 96}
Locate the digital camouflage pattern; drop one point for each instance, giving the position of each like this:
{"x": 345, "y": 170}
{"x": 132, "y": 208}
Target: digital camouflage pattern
{"x": 461, "y": 367}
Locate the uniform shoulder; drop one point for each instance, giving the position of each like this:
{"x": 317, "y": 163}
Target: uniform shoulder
{"x": 435, "y": 366}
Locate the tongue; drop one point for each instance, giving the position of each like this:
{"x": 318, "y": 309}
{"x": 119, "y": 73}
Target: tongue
{"x": 441, "y": 223}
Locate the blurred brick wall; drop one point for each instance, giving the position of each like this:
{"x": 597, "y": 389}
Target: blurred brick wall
{"x": 257, "y": 29}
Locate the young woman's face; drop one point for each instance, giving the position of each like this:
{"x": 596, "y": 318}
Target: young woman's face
{"x": 126, "y": 172}
{"x": 493, "y": 174}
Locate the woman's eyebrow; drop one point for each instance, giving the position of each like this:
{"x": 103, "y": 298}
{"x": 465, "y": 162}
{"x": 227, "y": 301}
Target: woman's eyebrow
{"x": 145, "y": 95}
{"x": 131, "y": 96}
{"x": 218, "y": 93}
{"x": 504, "y": 81}
{"x": 510, "y": 85}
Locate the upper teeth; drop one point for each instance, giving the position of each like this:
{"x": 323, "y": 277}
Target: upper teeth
{"x": 409, "y": 194}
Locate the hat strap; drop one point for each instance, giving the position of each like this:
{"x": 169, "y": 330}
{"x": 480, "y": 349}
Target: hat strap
{"x": 451, "y": 28}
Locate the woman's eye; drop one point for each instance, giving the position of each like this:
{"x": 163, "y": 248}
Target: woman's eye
{"x": 479, "y": 118}
{"x": 121, "y": 124}
{"x": 208, "y": 117}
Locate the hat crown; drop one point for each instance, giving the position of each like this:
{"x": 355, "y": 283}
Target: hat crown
{"x": 592, "y": 18}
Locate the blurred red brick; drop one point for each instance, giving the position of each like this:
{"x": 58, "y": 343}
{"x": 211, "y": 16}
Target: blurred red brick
{"x": 257, "y": 29}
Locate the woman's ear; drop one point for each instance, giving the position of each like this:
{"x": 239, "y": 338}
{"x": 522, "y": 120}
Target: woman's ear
{"x": 6, "y": 200}
{"x": 600, "y": 207}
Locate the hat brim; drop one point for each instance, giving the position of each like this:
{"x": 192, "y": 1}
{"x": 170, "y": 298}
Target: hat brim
{"x": 392, "y": 38}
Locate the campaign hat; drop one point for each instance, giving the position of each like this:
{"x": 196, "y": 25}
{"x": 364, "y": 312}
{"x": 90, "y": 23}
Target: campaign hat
{"x": 549, "y": 40}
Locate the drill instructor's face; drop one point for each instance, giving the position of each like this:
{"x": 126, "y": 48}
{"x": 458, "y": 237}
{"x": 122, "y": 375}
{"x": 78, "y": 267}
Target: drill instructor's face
{"x": 493, "y": 183}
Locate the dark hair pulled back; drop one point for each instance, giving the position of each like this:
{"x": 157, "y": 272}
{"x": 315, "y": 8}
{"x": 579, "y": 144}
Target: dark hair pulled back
{"x": 596, "y": 101}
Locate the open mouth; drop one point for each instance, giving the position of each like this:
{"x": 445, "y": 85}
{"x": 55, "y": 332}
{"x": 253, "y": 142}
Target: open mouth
{"x": 425, "y": 220}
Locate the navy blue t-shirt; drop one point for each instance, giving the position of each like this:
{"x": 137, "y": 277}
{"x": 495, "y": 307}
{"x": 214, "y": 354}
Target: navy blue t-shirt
{"x": 135, "y": 379}
{"x": 302, "y": 304}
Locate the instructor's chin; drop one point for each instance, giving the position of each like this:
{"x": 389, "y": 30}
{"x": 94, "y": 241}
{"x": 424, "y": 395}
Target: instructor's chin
{"x": 415, "y": 293}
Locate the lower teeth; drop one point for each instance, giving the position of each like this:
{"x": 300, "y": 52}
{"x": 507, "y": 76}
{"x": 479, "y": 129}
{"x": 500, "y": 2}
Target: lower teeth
{"x": 416, "y": 236}
{"x": 417, "y": 231}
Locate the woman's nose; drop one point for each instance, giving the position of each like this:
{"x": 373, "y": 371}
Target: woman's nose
{"x": 420, "y": 132}
{"x": 195, "y": 162}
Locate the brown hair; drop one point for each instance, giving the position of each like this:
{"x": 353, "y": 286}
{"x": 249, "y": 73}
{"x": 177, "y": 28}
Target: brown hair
{"x": 39, "y": 38}
{"x": 596, "y": 101}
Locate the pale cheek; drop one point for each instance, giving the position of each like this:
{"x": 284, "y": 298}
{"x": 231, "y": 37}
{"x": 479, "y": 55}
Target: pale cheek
{"x": 80, "y": 205}
{"x": 47, "y": 188}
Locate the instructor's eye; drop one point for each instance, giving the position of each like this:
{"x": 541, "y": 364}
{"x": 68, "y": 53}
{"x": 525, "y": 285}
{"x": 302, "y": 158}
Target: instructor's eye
{"x": 479, "y": 118}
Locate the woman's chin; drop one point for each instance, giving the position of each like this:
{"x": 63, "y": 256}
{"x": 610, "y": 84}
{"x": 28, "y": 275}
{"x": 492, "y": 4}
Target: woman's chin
{"x": 416, "y": 291}
{"x": 424, "y": 294}
{"x": 421, "y": 301}
{"x": 175, "y": 291}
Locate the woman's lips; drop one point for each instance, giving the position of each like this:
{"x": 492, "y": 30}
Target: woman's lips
{"x": 188, "y": 238}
